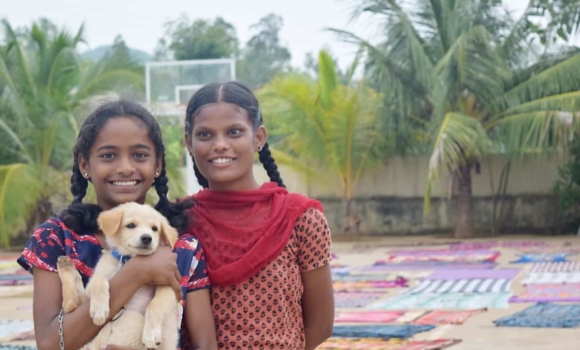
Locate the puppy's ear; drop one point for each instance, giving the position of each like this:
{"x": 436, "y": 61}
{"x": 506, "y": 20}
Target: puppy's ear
{"x": 109, "y": 221}
{"x": 169, "y": 233}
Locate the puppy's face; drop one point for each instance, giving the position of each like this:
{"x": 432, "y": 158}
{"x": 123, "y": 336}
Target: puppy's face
{"x": 136, "y": 229}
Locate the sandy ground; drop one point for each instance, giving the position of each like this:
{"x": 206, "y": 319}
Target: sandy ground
{"x": 478, "y": 332}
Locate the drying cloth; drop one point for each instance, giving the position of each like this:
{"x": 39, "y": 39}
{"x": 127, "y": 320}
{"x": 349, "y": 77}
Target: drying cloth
{"x": 569, "y": 266}
{"x": 368, "y": 316}
{"x": 543, "y": 315}
{"x": 347, "y": 300}
{"x": 440, "y": 317}
{"x": 380, "y": 344}
{"x": 457, "y": 274}
{"x": 552, "y": 277}
{"x": 447, "y": 301}
{"x": 549, "y": 292}
{"x": 383, "y": 332}
{"x": 487, "y": 285}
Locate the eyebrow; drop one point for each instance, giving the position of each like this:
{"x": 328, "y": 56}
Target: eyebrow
{"x": 111, "y": 147}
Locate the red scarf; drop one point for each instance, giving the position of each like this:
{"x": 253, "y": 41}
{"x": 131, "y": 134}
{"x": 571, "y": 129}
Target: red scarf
{"x": 243, "y": 231}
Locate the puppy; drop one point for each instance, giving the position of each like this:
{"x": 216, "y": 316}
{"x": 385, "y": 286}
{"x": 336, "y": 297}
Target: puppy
{"x": 149, "y": 319}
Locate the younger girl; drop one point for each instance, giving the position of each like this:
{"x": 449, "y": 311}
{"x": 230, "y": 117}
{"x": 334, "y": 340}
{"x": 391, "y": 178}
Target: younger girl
{"x": 268, "y": 251}
{"x": 120, "y": 151}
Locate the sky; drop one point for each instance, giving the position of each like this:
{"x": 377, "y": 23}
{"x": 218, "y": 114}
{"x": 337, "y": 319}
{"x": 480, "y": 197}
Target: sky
{"x": 140, "y": 22}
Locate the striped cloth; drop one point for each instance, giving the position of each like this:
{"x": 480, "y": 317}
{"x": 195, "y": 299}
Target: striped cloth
{"x": 568, "y": 266}
{"x": 476, "y": 285}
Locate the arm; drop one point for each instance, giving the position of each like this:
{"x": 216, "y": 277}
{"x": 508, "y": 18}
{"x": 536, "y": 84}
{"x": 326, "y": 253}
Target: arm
{"x": 78, "y": 327}
{"x": 317, "y": 306}
{"x": 199, "y": 320}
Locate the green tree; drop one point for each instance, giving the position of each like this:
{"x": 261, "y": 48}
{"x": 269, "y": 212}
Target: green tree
{"x": 264, "y": 56}
{"x": 471, "y": 81}
{"x": 200, "y": 39}
{"x": 43, "y": 82}
{"x": 324, "y": 127}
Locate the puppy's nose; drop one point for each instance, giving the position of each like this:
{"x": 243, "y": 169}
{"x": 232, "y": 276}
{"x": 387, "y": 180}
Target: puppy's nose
{"x": 146, "y": 239}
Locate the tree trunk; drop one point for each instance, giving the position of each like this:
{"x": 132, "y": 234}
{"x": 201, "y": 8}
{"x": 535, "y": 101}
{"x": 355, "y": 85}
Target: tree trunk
{"x": 465, "y": 223}
{"x": 352, "y": 223}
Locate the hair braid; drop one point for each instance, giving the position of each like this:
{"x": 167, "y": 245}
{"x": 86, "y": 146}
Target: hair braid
{"x": 270, "y": 165}
{"x": 79, "y": 184}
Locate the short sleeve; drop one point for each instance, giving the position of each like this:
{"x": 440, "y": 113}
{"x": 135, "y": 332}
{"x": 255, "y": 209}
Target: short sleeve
{"x": 313, "y": 239}
{"x": 191, "y": 264}
{"x": 43, "y": 248}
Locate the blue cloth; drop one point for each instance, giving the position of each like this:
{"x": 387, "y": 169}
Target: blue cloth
{"x": 536, "y": 258}
{"x": 384, "y": 332}
{"x": 543, "y": 315}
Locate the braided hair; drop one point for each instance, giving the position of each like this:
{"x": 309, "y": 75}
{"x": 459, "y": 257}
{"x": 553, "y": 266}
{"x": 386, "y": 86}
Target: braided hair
{"x": 240, "y": 95}
{"x": 82, "y": 217}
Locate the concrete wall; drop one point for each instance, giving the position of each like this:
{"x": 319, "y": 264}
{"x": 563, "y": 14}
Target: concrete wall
{"x": 390, "y": 198}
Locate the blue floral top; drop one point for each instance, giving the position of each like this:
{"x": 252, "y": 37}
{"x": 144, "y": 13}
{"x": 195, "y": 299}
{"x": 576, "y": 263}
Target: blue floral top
{"x": 53, "y": 239}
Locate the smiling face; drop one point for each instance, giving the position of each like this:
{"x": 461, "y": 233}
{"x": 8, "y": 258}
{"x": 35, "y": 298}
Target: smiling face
{"x": 223, "y": 143}
{"x": 122, "y": 162}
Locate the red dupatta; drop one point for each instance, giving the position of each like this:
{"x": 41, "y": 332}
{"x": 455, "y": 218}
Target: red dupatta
{"x": 243, "y": 231}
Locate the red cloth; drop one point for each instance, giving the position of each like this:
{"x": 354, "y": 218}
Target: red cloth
{"x": 242, "y": 231}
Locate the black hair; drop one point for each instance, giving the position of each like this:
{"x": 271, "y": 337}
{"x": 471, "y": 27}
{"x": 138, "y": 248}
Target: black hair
{"x": 81, "y": 217}
{"x": 241, "y": 96}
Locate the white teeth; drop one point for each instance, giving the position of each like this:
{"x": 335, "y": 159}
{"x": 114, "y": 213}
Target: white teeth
{"x": 222, "y": 160}
{"x": 124, "y": 183}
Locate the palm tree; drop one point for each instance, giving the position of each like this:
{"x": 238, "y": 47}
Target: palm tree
{"x": 43, "y": 82}
{"x": 320, "y": 126}
{"x": 472, "y": 81}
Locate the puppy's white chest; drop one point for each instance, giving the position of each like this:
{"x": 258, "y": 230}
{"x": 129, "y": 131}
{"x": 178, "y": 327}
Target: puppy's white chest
{"x": 141, "y": 298}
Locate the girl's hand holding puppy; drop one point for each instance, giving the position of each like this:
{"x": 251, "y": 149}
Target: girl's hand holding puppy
{"x": 159, "y": 268}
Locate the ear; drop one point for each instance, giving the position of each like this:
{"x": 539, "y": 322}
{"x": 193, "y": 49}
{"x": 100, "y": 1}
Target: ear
{"x": 260, "y": 137}
{"x": 83, "y": 165}
{"x": 109, "y": 221}
{"x": 158, "y": 165}
{"x": 169, "y": 233}
{"x": 188, "y": 143}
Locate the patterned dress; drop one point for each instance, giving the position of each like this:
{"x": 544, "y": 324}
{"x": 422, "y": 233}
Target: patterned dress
{"x": 265, "y": 312}
{"x": 53, "y": 239}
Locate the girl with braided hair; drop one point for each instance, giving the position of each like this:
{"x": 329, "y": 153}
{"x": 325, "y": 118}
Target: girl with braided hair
{"x": 267, "y": 250}
{"x": 120, "y": 151}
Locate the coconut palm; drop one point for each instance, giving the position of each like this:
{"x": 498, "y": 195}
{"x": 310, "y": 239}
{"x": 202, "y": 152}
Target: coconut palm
{"x": 472, "y": 81}
{"x": 42, "y": 83}
{"x": 323, "y": 127}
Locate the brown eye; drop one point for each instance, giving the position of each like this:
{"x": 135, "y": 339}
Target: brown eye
{"x": 131, "y": 225}
{"x": 154, "y": 228}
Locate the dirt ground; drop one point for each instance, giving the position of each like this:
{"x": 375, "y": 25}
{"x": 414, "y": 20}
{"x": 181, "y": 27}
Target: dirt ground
{"x": 478, "y": 332}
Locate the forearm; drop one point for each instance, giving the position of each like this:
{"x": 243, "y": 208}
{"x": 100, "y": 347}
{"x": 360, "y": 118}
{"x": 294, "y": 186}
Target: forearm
{"x": 78, "y": 327}
{"x": 316, "y": 335}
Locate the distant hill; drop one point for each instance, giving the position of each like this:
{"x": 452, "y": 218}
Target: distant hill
{"x": 97, "y": 53}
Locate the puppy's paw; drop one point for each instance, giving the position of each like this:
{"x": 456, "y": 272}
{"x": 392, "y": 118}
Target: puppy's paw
{"x": 63, "y": 262}
{"x": 152, "y": 337}
{"x": 70, "y": 305}
{"x": 99, "y": 313}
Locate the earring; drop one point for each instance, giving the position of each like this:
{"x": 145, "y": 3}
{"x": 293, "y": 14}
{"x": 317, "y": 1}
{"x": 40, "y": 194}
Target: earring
{"x": 259, "y": 148}
{"x": 86, "y": 175}
{"x": 156, "y": 174}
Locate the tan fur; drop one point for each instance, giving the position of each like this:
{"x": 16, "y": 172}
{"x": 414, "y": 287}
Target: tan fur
{"x": 149, "y": 320}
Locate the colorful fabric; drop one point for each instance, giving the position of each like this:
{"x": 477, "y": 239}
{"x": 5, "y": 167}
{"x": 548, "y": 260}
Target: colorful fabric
{"x": 53, "y": 239}
{"x": 380, "y": 344}
{"x": 455, "y": 257}
{"x": 549, "y": 292}
{"x": 542, "y": 257}
{"x": 382, "y": 332}
{"x": 457, "y": 274}
{"x": 368, "y": 316}
{"x": 400, "y": 282}
{"x": 491, "y": 245}
{"x": 348, "y": 300}
{"x": 440, "y": 317}
{"x": 270, "y": 300}
{"x": 9, "y": 329}
{"x": 446, "y": 301}
{"x": 478, "y": 285}
{"x": 425, "y": 266}
{"x": 551, "y": 278}
{"x": 243, "y": 231}
{"x": 568, "y": 266}
{"x": 543, "y": 315}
